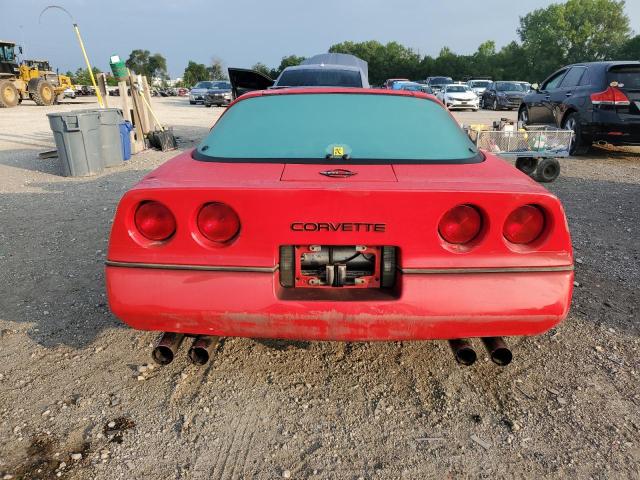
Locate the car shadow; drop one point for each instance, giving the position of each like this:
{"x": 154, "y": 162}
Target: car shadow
{"x": 610, "y": 152}
{"x": 28, "y": 159}
{"x": 38, "y": 140}
{"x": 282, "y": 345}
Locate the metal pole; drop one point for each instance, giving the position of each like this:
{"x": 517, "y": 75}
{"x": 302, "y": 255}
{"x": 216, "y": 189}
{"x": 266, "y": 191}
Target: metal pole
{"x": 86, "y": 59}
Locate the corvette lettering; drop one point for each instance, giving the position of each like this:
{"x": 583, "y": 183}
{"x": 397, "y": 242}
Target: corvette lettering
{"x": 338, "y": 227}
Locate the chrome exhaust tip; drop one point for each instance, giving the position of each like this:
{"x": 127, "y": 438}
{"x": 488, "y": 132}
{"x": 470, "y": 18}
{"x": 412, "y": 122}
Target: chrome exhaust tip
{"x": 201, "y": 349}
{"x": 498, "y": 351}
{"x": 463, "y": 351}
{"x": 165, "y": 350}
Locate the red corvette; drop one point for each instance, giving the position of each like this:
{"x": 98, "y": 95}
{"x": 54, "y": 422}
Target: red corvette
{"x": 339, "y": 214}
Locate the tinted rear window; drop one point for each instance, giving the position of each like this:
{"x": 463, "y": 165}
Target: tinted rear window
{"x": 441, "y": 81}
{"x": 573, "y": 77}
{"x": 204, "y": 85}
{"x": 509, "y": 87}
{"x": 628, "y": 76}
{"x": 307, "y": 128}
{"x": 309, "y": 77}
{"x": 457, "y": 88}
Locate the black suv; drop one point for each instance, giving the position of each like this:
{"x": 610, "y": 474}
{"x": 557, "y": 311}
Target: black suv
{"x": 437, "y": 83}
{"x": 599, "y": 101}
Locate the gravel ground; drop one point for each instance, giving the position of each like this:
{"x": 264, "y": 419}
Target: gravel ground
{"x": 80, "y": 400}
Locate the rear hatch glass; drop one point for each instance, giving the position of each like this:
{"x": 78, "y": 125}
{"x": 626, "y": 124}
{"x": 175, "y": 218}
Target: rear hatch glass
{"x": 343, "y": 128}
{"x": 628, "y": 78}
{"x": 320, "y": 77}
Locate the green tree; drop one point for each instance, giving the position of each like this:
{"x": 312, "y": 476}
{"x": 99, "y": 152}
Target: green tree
{"x": 82, "y": 77}
{"x": 575, "y": 31}
{"x": 511, "y": 63}
{"x": 630, "y": 50}
{"x": 290, "y": 61}
{"x": 262, "y": 68}
{"x": 484, "y": 60}
{"x": 385, "y": 61}
{"x": 144, "y": 63}
{"x": 112, "y": 81}
{"x": 216, "y": 70}
{"x": 194, "y": 73}
{"x": 452, "y": 65}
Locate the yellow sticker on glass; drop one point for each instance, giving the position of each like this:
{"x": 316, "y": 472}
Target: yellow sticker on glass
{"x": 338, "y": 151}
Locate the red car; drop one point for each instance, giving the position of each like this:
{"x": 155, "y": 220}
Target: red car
{"x": 339, "y": 214}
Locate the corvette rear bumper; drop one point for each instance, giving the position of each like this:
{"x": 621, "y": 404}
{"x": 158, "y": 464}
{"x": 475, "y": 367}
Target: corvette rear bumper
{"x": 423, "y": 306}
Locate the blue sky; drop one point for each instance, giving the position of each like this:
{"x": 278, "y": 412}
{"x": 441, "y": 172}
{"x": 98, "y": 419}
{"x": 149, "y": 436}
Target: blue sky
{"x": 243, "y": 32}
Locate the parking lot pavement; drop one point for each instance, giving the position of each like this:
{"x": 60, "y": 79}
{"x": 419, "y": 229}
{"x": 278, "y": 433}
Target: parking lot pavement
{"x": 79, "y": 397}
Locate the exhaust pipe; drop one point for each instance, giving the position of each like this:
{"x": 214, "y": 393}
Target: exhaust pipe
{"x": 201, "y": 349}
{"x": 463, "y": 351}
{"x": 166, "y": 348}
{"x": 498, "y": 350}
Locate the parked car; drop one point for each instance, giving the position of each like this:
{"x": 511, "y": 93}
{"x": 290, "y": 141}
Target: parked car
{"x": 502, "y": 95}
{"x": 526, "y": 86}
{"x": 458, "y": 96}
{"x": 85, "y": 90}
{"x": 479, "y": 86}
{"x": 197, "y": 93}
{"x": 388, "y": 84}
{"x": 321, "y": 75}
{"x": 219, "y": 95}
{"x": 168, "y": 92}
{"x": 437, "y": 83}
{"x": 323, "y": 70}
{"x": 288, "y": 218}
{"x": 69, "y": 93}
{"x": 599, "y": 101}
{"x": 411, "y": 87}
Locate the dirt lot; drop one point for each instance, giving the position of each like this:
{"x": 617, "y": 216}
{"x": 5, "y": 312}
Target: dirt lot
{"x": 79, "y": 399}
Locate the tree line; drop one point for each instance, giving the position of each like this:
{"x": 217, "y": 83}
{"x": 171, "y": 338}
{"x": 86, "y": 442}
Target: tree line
{"x": 548, "y": 38}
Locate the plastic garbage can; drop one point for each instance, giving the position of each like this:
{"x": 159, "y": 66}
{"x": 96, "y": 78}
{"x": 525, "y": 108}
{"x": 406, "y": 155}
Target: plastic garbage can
{"x": 77, "y": 136}
{"x": 110, "y": 140}
{"x": 126, "y": 127}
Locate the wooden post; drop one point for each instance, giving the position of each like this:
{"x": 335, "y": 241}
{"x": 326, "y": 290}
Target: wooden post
{"x": 139, "y": 105}
{"x": 137, "y": 121}
{"x": 101, "y": 79}
{"x": 147, "y": 95}
{"x": 126, "y": 111}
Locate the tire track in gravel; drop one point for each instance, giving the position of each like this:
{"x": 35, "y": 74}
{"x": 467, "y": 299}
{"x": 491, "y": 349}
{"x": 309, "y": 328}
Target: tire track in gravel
{"x": 230, "y": 459}
{"x": 187, "y": 389}
{"x": 237, "y": 427}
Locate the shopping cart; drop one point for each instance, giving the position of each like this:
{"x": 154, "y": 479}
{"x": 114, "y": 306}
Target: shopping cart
{"x": 536, "y": 149}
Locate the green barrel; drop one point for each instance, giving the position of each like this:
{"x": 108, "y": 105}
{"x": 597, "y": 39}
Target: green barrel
{"x": 118, "y": 67}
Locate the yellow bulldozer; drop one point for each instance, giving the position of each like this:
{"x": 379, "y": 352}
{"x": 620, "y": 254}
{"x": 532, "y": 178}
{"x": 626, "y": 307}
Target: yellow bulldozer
{"x": 32, "y": 79}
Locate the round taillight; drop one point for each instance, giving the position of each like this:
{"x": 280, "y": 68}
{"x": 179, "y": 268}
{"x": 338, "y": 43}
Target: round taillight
{"x": 524, "y": 225}
{"x": 218, "y": 222}
{"x": 460, "y": 225}
{"x": 154, "y": 221}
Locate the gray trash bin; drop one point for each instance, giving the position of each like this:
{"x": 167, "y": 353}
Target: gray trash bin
{"x": 110, "y": 141}
{"x": 77, "y": 136}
